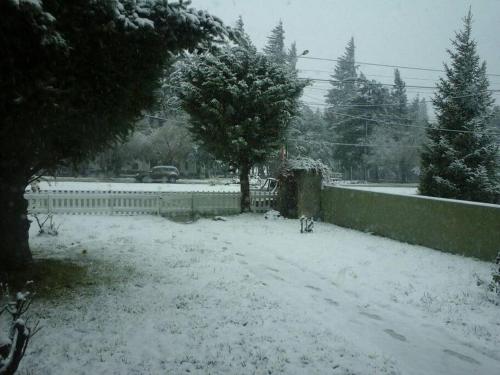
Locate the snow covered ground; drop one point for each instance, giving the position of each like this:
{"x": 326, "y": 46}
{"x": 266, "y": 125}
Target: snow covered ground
{"x": 254, "y": 296}
{"x": 131, "y": 186}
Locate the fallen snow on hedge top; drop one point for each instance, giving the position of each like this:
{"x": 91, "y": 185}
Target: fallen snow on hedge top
{"x": 306, "y": 164}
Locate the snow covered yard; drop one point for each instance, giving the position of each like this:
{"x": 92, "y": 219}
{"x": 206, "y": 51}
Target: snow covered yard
{"x": 254, "y": 296}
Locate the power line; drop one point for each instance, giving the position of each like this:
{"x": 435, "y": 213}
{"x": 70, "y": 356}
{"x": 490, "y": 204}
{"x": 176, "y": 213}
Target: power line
{"x": 371, "y": 145}
{"x": 376, "y": 83}
{"x": 364, "y": 82}
{"x": 370, "y": 75}
{"x": 404, "y": 125}
{"x": 324, "y": 89}
{"x": 386, "y": 65}
{"x": 390, "y": 104}
{"x": 411, "y": 126}
{"x": 405, "y": 78}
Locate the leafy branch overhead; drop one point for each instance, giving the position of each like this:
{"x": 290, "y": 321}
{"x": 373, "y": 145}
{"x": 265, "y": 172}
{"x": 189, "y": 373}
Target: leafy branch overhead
{"x": 75, "y": 76}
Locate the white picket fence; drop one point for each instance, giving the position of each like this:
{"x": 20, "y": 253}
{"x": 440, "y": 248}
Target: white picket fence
{"x": 144, "y": 203}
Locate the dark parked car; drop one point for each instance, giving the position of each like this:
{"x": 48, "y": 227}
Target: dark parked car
{"x": 160, "y": 173}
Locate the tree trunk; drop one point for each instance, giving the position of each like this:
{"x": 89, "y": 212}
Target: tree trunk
{"x": 14, "y": 226}
{"x": 245, "y": 187}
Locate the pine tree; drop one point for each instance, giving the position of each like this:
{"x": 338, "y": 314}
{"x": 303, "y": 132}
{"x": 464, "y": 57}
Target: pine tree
{"x": 358, "y": 122}
{"x": 275, "y": 47}
{"x": 401, "y": 134}
{"x": 345, "y": 85}
{"x": 458, "y": 160}
{"x": 240, "y": 104}
{"x": 243, "y": 39}
{"x": 240, "y": 26}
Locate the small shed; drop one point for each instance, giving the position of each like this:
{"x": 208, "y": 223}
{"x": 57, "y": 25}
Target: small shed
{"x": 300, "y": 187}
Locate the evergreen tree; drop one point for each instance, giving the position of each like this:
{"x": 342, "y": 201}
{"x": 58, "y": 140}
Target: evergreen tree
{"x": 345, "y": 85}
{"x": 275, "y": 47}
{"x": 344, "y": 80}
{"x": 357, "y": 124}
{"x": 240, "y": 104}
{"x": 308, "y": 136}
{"x": 74, "y": 77}
{"x": 401, "y": 134}
{"x": 399, "y": 95}
{"x": 240, "y": 25}
{"x": 459, "y": 162}
{"x": 243, "y": 39}
{"x": 292, "y": 56}
{"x": 396, "y": 141}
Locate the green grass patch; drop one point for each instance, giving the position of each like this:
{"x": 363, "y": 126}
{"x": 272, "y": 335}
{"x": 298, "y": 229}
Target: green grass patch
{"x": 67, "y": 278}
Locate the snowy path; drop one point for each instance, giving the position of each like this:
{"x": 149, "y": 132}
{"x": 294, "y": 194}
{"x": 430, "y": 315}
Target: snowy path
{"x": 254, "y": 296}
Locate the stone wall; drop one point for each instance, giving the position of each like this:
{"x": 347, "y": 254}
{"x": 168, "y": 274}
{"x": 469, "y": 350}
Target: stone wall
{"x": 466, "y": 228}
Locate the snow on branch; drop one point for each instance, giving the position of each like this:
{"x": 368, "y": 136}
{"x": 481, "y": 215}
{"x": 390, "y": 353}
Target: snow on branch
{"x": 13, "y": 345}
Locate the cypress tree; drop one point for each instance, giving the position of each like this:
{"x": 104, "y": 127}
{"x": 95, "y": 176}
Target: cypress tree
{"x": 240, "y": 104}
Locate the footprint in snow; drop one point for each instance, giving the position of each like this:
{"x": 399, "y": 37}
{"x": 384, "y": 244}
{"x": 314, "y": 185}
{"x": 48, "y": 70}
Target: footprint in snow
{"x": 331, "y": 301}
{"x": 273, "y": 269}
{"x": 352, "y": 293}
{"x": 313, "y": 288}
{"x": 395, "y": 335}
{"x": 239, "y": 254}
{"x": 277, "y": 277}
{"x": 371, "y": 316}
{"x": 463, "y": 357}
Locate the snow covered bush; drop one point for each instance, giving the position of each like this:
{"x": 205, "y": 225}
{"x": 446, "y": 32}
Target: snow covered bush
{"x": 495, "y": 282}
{"x": 51, "y": 228}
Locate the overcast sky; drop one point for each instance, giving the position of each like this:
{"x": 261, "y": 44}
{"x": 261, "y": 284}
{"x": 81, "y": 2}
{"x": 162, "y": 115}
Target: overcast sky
{"x": 396, "y": 32}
